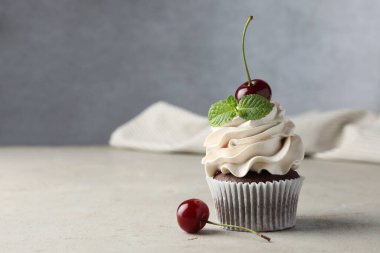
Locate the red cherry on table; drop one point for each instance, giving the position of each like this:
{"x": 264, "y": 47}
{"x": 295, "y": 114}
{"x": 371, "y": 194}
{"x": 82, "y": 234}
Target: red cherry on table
{"x": 192, "y": 215}
{"x": 257, "y": 86}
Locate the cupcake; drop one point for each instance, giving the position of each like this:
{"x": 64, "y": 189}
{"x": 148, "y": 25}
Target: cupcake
{"x": 252, "y": 155}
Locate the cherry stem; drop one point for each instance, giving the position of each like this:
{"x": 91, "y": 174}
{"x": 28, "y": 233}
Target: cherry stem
{"x": 239, "y": 227}
{"x": 243, "y": 50}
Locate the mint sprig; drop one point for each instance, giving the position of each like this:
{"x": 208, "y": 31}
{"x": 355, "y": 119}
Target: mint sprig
{"x": 222, "y": 111}
{"x": 254, "y": 107}
{"x": 250, "y": 107}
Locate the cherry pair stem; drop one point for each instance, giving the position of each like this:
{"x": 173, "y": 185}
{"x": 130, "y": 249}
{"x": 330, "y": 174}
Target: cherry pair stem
{"x": 239, "y": 227}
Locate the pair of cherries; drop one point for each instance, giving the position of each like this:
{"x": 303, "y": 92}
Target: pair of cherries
{"x": 193, "y": 214}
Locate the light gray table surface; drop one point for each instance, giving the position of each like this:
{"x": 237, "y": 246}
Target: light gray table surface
{"x": 99, "y": 199}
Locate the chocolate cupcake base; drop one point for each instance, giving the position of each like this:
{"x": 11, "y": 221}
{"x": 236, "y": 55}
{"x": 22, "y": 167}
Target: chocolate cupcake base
{"x": 254, "y": 177}
{"x": 262, "y": 206}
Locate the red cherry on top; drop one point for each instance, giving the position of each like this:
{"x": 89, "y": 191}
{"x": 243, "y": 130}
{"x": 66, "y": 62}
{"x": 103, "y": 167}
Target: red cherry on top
{"x": 192, "y": 215}
{"x": 257, "y": 86}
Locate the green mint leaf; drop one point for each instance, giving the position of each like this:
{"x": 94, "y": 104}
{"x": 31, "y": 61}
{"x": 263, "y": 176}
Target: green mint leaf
{"x": 232, "y": 101}
{"x": 222, "y": 112}
{"x": 254, "y": 107}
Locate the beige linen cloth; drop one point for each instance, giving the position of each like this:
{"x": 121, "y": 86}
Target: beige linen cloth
{"x": 347, "y": 134}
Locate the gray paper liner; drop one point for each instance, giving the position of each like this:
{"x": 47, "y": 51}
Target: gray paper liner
{"x": 266, "y": 206}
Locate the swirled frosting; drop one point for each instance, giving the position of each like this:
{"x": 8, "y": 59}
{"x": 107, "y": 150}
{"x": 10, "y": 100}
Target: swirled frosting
{"x": 242, "y": 146}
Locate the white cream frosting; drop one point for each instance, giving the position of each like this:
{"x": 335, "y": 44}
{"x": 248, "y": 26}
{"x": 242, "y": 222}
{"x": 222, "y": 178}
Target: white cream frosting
{"x": 242, "y": 146}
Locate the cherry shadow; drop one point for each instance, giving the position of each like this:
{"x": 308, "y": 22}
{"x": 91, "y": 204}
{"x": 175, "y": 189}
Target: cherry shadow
{"x": 211, "y": 231}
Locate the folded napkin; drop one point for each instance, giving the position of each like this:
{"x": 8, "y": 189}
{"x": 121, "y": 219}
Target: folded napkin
{"x": 163, "y": 127}
{"x": 335, "y": 135}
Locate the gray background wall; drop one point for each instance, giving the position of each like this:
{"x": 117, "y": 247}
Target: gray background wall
{"x": 73, "y": 70}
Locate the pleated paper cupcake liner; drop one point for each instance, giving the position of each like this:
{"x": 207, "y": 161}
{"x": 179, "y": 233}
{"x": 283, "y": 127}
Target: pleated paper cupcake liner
{"x": 262, "y": 207}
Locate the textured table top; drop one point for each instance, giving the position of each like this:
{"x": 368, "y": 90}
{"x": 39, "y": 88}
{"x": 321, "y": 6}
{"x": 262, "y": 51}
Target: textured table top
{"x": 99, "y": 199}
